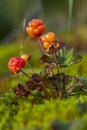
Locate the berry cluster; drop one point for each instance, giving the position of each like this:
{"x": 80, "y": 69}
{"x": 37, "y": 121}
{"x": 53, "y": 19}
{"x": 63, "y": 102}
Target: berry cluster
{"x": 35, "y": 27}
{"x": 47, "y": 42}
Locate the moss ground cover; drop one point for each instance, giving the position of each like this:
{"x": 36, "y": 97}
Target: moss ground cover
{"x": 51, "y": 115}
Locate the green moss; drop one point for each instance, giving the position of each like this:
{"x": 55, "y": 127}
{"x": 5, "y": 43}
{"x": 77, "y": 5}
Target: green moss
{"x": 18, "y": 114}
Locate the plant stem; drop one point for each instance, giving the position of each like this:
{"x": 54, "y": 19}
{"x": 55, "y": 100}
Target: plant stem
{"x": 60, "y": 94}
{"x": 45, "y": 92}
{"x": 40, "y": 44}
{"x": 51, "y": 70}
{"x": 54, "y": 54}
{"x": 25, "y": 74}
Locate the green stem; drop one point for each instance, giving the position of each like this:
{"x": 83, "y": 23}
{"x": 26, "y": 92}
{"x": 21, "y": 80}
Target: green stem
{"x": 25, "y": 74}
{"x": 71, "y": 2}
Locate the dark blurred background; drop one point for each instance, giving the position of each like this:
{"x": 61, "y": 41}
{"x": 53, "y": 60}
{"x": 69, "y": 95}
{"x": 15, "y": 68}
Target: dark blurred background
{"x": 12, "y": 14}
{"x": 68, "y": 18}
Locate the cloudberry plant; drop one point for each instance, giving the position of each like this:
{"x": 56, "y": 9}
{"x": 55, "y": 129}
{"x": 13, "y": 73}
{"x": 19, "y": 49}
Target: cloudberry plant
{"x": 51, "y": 82}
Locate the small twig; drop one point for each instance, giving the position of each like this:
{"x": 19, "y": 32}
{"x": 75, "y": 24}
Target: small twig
{"x": 54, "y": 54}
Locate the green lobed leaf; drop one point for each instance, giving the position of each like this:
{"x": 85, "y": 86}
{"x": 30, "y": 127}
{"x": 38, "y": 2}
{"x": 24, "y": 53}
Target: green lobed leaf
{"x": 67, "y": 57}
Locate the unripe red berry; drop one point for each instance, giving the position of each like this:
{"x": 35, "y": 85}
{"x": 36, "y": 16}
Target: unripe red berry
{"x": 15, "y": 64}
{"x": 35, "y": 27}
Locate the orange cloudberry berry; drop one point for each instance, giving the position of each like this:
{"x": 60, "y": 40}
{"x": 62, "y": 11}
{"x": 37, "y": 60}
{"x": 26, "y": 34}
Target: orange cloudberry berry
{"x": 35, "y": 27}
